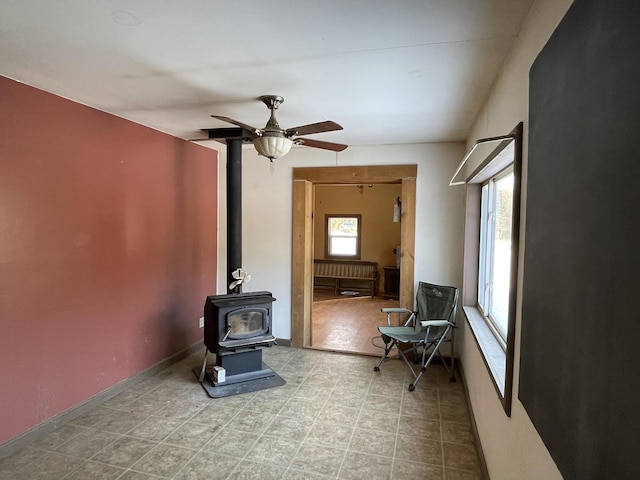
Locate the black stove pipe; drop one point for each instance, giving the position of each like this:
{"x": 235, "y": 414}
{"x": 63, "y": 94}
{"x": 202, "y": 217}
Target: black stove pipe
{"x": 234, "y": 210}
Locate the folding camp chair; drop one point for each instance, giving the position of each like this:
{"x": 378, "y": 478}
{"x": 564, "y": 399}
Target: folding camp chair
{"x": 426, "y": 329}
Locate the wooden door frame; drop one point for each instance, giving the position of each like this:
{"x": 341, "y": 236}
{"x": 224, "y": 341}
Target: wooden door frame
{"x": 304, "y": 180}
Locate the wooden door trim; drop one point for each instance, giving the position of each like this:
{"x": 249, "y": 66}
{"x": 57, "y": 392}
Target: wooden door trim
{"x": 304, "y": 180}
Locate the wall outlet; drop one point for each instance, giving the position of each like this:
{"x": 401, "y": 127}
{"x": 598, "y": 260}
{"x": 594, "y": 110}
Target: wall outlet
{"x": 201, "y": 322}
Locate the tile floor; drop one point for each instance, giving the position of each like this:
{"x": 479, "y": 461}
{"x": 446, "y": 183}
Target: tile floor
{"x": 334, "y": 419}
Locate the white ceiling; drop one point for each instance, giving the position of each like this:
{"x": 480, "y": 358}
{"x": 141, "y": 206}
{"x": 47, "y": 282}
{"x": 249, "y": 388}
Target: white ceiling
{"x": 404, "y": 71}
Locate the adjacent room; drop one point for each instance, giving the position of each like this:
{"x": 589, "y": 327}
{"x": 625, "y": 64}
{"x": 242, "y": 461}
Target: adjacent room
{"x": 346, "y": 307}
{"x": 329, "y": 159}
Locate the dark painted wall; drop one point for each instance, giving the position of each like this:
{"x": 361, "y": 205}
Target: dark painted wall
{"x": 579, "y": 377}
{"x": 107, "y": 251}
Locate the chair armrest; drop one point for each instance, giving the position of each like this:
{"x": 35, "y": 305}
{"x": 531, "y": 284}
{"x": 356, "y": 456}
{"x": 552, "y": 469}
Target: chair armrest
{"x": 399, "y": 311}
{"x": 434, "y": 323}
{"x": 395, "y": 310}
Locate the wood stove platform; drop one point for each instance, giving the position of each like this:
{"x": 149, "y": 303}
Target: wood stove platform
{"x": 270, "y": 379}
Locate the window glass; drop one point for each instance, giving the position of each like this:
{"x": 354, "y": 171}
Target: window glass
{"x": 499, "y": 312}
{"x": 343, "y": 236}
{"x": 494, "y": 269}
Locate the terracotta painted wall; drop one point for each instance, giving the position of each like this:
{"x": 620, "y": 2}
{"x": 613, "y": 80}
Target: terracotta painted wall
{"x": 107, "y": 250}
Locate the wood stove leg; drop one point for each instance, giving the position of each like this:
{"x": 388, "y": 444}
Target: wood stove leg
{"x": 204, "y": 366}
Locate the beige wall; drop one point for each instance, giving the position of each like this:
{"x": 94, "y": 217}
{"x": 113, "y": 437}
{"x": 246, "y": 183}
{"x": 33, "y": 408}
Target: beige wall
{"x": 267, "y": 214}
{"x": 511, "y": 446}
{"x": 380, "y": 234}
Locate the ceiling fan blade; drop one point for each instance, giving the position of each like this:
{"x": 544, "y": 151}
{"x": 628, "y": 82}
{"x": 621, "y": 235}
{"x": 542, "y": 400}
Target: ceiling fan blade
{"x": 237, "y": 123}
{"x": 319, "y": 127}
{"x": 308, "y": 142}
{"x": 203, "y": 139}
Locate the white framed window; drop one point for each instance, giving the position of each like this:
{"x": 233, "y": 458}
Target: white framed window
{"x": 343, "y": 236}
{"x": 494, "y": 257}
{"x": 492, "y": 237}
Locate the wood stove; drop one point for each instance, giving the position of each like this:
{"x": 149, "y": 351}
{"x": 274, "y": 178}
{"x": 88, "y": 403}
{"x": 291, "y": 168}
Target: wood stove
{"x": 236, "y": 328}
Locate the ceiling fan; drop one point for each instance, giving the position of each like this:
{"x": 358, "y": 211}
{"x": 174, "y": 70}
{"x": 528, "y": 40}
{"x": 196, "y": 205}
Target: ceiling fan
{"x": 273, "y": 142}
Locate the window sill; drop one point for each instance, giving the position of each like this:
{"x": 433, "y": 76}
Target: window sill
{"x": 494, "y": 356}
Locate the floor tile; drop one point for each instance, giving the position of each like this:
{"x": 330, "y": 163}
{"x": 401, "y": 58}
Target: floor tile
{"x": 373, "y": 442}
{"x": 192, "y": 435}
{"x": 19, "y": 460}
{"x": 88, "y": 443}
{"x": 453, "y": 474}
{"x": 461, "y": 457}
{"x": 49, "y": 466}
{"x": 208, "y": 466}
{"x": 164, "y": 460}
{"x": 274, "y": 450}
{"x": 335, "y": 418}
{"x": 248, "y": 470}
{"x": 319, "y": 459}
{"x": 418, "y": 450}
{"x": 381, "y": 403}
{"x": 293, "y": 474}
{"x": 380, "y": 421}
{"x": 408, "y": 470}
{"x": 232, "y": 443}
{"x": 330, "y": 434}
{"x": 95, "y": 471}
{"x": 454, "y": 413}
{"x": 133, "y": 475}
{"x": 58, "y": 437}
{"x": 306, "y": 408}
{"x": 460, "y": 433}
{"x": 264, "y": 404}
{"x": 124, "y": 452}
{"x": 155, "y": 428}
{"x": 290, "y": 427}
{"x": 420, "y": 427}
{"x": 120, "y": 422}
{"x": 256, "y": 423}
{"x": 338, "y": 415}
{"x": 94, "y": 417}
{"x": 358, "y": 466}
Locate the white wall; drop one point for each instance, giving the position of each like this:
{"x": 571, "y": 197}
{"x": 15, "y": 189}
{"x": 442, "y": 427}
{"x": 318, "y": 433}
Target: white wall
{"x": 512, "y": 447}
{"x": 267, "y": 219}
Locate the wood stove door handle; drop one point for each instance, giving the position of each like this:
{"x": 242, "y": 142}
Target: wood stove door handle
{"x": 227, "y": 333}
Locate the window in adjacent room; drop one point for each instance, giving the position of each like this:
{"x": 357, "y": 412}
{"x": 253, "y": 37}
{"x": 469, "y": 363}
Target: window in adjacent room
{"x": 343, "y": 236}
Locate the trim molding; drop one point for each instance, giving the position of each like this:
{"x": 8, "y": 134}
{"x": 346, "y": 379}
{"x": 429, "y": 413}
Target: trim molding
{"x": 304, "y": 181}
{"x": 484, "y": 471}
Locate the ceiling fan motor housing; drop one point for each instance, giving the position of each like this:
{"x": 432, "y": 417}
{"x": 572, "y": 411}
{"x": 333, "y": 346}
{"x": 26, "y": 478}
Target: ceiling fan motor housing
{"x": 272, "y": 142}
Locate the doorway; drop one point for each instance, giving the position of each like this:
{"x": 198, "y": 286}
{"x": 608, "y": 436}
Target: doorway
{"x": 304, "y": 180}
{"x": 345, "y": 319}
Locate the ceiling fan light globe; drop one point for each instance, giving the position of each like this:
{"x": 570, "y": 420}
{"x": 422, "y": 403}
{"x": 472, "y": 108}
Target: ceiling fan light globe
{"x": 272, "y": 147}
